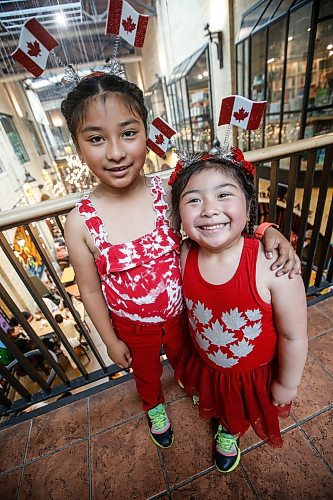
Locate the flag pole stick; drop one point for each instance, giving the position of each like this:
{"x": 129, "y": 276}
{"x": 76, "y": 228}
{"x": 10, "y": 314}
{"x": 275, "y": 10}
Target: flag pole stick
{"x": 227, "y": 135}
{"x": 116, "y": 47}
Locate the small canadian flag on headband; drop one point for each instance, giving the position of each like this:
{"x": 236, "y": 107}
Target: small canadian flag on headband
{"x": 160, "y": 134}
{"x": 34, "y": 47}
{"x": 242, "y": 112}
{"x": 123, "y": 20}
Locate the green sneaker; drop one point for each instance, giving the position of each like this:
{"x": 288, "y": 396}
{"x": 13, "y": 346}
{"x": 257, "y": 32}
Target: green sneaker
{"x": 160, "y": 429}
{"x": 227, "y": 452}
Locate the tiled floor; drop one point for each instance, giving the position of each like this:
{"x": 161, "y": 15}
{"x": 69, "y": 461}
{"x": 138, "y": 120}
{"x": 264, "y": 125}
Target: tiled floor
{"x": 98, "y": 448}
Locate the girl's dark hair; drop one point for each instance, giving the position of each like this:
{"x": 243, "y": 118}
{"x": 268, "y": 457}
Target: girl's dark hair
{"x": 75, "y": 105}
{"x": 235, "y": 171}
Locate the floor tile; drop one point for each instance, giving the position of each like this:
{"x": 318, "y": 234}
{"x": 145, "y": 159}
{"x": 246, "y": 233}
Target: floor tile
{"x": 191, "y": 451}
{"x": 319, "y": 430}
{"x": 288, "y": 473}
{"x": 315, "y": 391}
{"x": 13, "y": 442}
{"x": 322, "y": 349}
{"x": 214, "y": 485}
{"x": 113, "y": 405}
{"x": 318, "y": 322}
{"x": 58, "y": 428}
{"x": 125, "y": 463}
{"x": 326, "y": 307}
{"x": 63, "y": 474}
{"x": 9, "y": 485}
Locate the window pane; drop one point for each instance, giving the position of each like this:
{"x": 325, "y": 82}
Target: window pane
{"x": 320, "y": 107}
{"x": 258, "y": 61}
{"x": 14, "y": 138}
{"x": 240, "y": 68}
{"x": 250, "y": 20}
{"x": 275, "y": 62}
{"x": 200, "y": 106}
{"x": 284, "y": 6}
{"x": 272, "y": 130}
{"x": 246, "y": 68}
{"x": 326, "y": 8}
{"x": 35, "y": 138}
{"x": 243, "y": 68}
{"x": 267, "y": 14}
{"x": 291, "y": 127}
{"x": 297, "y": 53}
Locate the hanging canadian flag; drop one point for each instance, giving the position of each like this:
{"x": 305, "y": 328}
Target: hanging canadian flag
{"x": 34, "y": 47}
{"x": 160, "y": 134}
{"x": 242, "y": 112}
{"x": 123, "y": 20}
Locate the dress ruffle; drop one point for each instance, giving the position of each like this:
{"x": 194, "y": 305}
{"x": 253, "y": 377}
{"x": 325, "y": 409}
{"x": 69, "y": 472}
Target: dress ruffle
{"x": 238, "y": 400}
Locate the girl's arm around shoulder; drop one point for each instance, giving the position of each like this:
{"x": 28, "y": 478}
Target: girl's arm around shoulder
{"x": 89, "y": 284}
{"x": 290, "y": 313}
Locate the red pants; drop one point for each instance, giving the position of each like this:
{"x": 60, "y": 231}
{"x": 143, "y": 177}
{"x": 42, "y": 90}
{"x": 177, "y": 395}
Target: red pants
{"x": 144, "y": 341}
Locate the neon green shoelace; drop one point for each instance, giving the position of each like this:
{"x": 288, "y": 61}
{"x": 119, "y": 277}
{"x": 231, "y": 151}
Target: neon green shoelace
{"x": 224, "y": 440}
{"x": 159, "y": 419}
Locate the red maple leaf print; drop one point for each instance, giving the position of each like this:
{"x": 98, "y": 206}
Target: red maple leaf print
{"x": 34, "y": 49}
{"x": 128, "y": 25}
{"x": 241, "y": 114}
{"x": 159, "y": 139}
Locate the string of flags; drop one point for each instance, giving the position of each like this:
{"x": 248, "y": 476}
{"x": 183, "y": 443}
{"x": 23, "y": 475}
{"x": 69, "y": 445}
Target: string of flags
{"x": 126, "y": 22}
{"x": 36, "y": 43}
{"x": 34, "y": 47}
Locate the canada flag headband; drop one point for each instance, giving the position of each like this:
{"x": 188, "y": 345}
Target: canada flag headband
{"x": 231, "y": 156}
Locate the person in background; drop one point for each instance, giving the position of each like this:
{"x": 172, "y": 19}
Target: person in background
{"x": 68, "y": 326}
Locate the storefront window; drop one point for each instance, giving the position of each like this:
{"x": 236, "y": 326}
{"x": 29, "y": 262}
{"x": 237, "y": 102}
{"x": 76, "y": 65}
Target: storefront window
{"x": 325, "y": 8}
{"x": 154, "y": 100}
{"x": 14, "y": 138}
{"x": 296, "y": 106}
{"x": 35, "y": 138}
{"x": 297, "y": 53}
{"x": 199, "y": 102}
{"x": 190, "y": 100}
{"x": 258, "y": 61}
{"x": 250, "y": 20}
{"x": 275, "y": 64}
{"x": 320, "y": 114}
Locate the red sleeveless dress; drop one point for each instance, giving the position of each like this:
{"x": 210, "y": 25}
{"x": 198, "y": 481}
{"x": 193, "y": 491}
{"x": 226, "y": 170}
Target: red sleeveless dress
{"x": 234, "y": 339}
{"x": 141, "y": 279}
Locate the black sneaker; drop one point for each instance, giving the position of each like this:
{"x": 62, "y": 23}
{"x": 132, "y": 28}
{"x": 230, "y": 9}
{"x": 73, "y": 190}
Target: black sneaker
{"x": 160, "y": 429}
{"x": 227, "y": 453}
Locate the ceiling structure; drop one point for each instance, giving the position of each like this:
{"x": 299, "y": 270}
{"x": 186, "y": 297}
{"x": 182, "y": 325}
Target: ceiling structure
{"x": 79, "y": 28}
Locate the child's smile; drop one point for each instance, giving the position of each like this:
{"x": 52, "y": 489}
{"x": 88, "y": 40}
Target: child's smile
{"x": 213, "y": 209}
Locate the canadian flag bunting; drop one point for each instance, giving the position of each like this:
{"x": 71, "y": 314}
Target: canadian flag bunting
{"x": 34, "y": 47}
{"x": 160, "y": 134}
{"x": 123, "y": 20}
{"x": 242, "y": 112}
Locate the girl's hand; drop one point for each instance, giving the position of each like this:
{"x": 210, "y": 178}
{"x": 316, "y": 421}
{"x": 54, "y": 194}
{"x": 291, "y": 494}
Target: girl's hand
{"x": 287, "y": 258}
{"x": 282, "y": 395}
{"x": 119, "y": 353}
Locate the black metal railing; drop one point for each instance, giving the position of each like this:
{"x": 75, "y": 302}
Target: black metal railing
{"x": 297, "y": 194}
